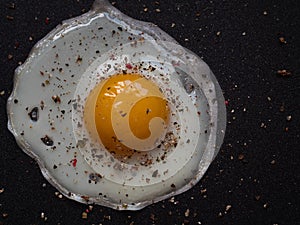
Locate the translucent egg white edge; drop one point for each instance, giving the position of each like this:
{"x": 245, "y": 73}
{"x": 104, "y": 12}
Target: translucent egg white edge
{"x": 217, "y": 109}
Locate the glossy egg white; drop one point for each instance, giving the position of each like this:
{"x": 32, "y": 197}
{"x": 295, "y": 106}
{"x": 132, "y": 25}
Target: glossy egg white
{"x": 46, "y": 109}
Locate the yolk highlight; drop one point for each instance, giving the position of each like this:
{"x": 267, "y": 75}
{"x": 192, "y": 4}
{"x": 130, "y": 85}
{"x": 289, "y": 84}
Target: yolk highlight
{"x": 129, "y": 113}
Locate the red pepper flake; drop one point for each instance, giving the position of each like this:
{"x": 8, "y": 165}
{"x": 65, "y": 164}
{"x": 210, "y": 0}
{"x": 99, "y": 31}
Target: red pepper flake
{"x": 74, "y": 162}
{"x": 226, "y": 102}
{"x": 128, "y": 66}
{"x": 47, "y": 20}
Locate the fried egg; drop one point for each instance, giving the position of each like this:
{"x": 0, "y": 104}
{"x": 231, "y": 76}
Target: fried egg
{"x": 116, "y": 112}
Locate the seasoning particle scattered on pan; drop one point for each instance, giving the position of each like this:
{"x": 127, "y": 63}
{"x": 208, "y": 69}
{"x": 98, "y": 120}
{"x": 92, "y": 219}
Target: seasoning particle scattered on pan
{"x": 284, "y": 73}
{"x": 282, "y": 40}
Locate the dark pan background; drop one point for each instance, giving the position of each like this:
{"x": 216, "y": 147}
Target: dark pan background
{"x": 255, "y": 177}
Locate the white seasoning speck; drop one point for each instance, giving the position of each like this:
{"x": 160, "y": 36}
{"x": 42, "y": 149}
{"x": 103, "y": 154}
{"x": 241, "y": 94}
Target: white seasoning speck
{"x": 228, "y": 207}
{"x": 84, "y": 215}
{"x": 187, "y": 213}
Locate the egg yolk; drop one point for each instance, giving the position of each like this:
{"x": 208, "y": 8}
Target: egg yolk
{"x": 128, "y": 112}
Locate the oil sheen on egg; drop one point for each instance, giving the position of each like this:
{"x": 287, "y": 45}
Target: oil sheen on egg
{"x": 118, "y": 113}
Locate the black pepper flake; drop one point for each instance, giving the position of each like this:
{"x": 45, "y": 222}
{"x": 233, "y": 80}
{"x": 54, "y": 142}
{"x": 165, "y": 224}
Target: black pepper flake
{"x": 63, "y": 111}
{"x": 120, "y": 28}
{"x": 34, "y": 114}
{"x": 173, "y": 186}
{"x": 123, "y": 114}
{"x": 147, "y": 111}
{"x": 16, "y": 101}
{"x": 47, "y": 141}
{"x": 56, "y": 99}
{"x": 78, "y": 60}
{"x": 151, "y": 68}
{"x": 155, "y": 173}
{"x": 42, "y": 105}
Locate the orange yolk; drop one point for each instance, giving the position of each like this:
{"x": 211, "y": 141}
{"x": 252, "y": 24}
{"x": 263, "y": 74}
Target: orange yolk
{"x": 128, "y": 112}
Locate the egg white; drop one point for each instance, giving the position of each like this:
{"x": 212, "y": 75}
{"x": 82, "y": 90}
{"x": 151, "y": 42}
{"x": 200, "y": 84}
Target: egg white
{"x": 65, "y": 65}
